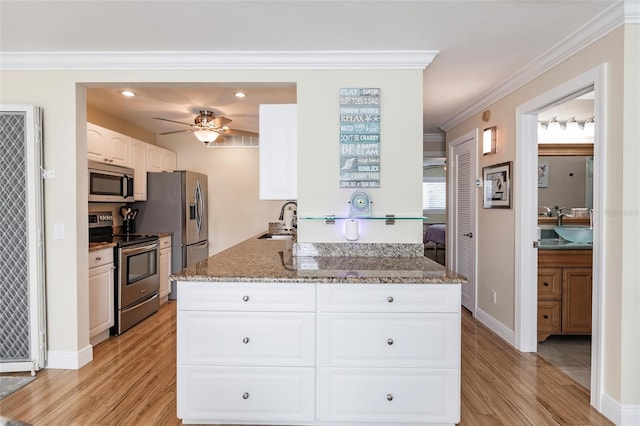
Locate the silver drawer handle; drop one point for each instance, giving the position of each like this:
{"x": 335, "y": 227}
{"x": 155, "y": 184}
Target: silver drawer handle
{"x": 390, "y": 342}
{"x": 390, "y": 299}
{"x": 245, "y": 340}
{"x": 245, "y": 395}
{"x": 389, "y": 397}
{"x": 245, "y": 298}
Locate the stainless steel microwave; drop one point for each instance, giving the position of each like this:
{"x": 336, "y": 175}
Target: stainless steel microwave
{"x": 109, "y": 183}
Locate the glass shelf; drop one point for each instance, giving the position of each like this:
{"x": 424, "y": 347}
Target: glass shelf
{"x": 389, "y": 219}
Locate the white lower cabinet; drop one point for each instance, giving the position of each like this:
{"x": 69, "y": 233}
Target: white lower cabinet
{"x": 401, "y": 395}
{"x": 313, "y": 353}
{"x": 101, "y": 296}
{"x": 246, "y": 394}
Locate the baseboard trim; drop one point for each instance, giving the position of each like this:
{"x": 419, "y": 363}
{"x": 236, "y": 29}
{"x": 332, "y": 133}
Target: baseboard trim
{"x": 504, "y": 332}
{"x": 620, "y": 414}
{"x": 70, "y": 360}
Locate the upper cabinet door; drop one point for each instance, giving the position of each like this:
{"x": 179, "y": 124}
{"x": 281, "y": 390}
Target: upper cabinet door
{"x": 107, "y": 146}
{"x": 119, "y": 149}
{"x": 278, "y": 152}
{"x": 96, "y": 142}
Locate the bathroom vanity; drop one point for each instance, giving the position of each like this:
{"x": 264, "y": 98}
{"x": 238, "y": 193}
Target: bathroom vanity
{"x": 564, "y": 289}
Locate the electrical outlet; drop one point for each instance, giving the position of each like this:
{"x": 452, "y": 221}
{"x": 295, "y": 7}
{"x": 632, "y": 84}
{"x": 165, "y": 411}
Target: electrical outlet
{"x": 494, "y": 297}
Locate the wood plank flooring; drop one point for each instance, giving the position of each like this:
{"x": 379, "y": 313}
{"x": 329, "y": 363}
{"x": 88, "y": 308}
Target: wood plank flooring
{"x": 132, "y": 381}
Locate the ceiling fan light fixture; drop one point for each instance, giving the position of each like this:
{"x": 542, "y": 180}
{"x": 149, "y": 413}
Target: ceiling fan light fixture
{"x": 206, "y": 135}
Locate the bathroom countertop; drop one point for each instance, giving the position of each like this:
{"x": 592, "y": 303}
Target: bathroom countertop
{"x": 560, "y": 244}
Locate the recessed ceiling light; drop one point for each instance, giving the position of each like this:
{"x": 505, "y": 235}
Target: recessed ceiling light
{"x": 240, "y": 95}
{"x": 127, "y": 93}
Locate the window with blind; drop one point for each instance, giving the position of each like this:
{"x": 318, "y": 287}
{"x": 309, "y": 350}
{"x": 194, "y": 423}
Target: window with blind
{"x": 434, "y": 194}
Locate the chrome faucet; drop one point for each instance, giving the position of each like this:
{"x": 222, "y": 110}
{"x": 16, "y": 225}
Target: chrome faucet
{"x": 546, "y": 211}
{"x": 294, "y": 219}
{"x": 284, "y": 206}
{"x": 560, "y": 216}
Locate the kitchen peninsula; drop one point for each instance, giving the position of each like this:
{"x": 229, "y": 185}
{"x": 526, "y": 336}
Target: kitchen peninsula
{"x": 266, "y": 337}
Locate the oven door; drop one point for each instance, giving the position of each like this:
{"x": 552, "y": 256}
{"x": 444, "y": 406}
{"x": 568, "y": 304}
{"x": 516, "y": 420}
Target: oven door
{"x": 138, "y": 273}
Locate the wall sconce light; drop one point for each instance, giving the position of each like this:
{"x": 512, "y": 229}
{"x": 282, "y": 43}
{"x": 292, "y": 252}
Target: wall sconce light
{"x": 489, "y": 140}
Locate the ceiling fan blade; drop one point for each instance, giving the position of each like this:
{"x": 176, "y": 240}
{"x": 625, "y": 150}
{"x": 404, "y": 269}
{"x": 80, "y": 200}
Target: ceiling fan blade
{"x": 175, "y": 131}
{"x": 221, "y": 121}
{"x": 172, "y": 121}
{"x": 236, "y": 132}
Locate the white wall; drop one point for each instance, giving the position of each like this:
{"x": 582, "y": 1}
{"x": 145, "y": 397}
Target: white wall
{"x": 235, "y": 212}
{"x": 496, "y": 228}
{"x": 62, "y": 95}
{"x": 400, "y": 191}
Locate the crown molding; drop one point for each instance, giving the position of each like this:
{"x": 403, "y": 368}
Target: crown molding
{"x": 211, "y": 60}
{"x": 631, "y": 12}
{"x": 598, "y": 27}
{"x": 433, "y": 137}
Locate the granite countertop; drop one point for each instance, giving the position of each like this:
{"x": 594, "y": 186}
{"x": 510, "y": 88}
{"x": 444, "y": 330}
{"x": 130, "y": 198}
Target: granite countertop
{"x": 99, "y": 246}
{"x": 257, "y": 260}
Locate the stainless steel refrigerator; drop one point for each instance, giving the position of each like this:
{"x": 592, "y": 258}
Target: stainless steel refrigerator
{"x": 177, "y": 202}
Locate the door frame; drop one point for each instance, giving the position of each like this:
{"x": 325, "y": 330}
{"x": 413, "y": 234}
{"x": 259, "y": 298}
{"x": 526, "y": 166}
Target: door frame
{"x": 452, "y": 185}
{"x": 526, "y": 297}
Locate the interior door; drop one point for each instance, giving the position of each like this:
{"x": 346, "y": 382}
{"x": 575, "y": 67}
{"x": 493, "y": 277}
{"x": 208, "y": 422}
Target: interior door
{"x": 462, "y": 232}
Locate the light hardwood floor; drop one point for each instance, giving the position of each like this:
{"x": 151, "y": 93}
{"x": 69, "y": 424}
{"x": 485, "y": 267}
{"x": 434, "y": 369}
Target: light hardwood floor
{"x": 132, "y": 381}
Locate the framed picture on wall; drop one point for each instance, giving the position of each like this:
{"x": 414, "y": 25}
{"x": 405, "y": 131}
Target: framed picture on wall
{"x": 497, "y": 186}
{"x": 543, "y": 175}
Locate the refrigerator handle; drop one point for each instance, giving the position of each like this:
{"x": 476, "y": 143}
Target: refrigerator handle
{"x": 198, "y": 207}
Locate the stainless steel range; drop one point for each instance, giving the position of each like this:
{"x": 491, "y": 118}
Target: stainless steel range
{"x": 137, "y": 279}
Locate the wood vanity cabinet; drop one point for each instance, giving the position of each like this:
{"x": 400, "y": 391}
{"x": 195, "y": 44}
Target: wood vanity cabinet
{"x": 564, "y": 292}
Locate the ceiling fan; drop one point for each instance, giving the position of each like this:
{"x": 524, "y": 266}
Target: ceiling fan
{"x": 209, "y": 128}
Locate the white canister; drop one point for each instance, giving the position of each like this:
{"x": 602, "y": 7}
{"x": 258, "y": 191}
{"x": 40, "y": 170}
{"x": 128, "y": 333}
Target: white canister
{"x": 352, "y": 230}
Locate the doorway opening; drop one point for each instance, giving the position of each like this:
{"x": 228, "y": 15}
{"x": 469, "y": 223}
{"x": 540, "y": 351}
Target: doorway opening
{"x": 565, "y": 194}
{"x": 526, "y": 307}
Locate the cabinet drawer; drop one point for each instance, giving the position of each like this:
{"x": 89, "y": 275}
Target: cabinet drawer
{"x": 100, "y": 257}
{"x": 389, "y": 298}
{"x": 549, "y": 283}
{"x": 549, "y": 316}
{"x": 389, "y": 395}
{"x": 389, "y": 340}
{"x": 218, "y": 395}
{"x": 165, "y": 242}
{"x": 246, "y": 338}
{"x": 265, "y": 297}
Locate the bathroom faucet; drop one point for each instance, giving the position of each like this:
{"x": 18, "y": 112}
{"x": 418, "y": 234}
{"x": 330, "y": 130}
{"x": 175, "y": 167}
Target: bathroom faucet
{"x": 547, "y": 211}
{"x": 560, "y": 216}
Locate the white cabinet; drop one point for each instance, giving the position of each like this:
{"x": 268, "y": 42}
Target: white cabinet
{"x": 165, "y": 268}
{"x": 107, "y": 146}
{"x": 111, "y": 147}
{"x": 278, "y": 152}
{"x": 160, "y": 159}
{"x": 389, "y": 353}
{"x": 246, "y": 352}
{"x": 138, "y": 162}
{"x": 313, "y": 353}
{"x": 101, "y": 296}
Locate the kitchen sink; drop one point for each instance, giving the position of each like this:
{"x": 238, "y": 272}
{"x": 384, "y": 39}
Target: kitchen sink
{"x": 269, "y": 236}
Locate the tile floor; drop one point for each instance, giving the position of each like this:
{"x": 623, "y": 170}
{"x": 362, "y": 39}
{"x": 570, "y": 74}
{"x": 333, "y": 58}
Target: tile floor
{"x": 570, "y": 354}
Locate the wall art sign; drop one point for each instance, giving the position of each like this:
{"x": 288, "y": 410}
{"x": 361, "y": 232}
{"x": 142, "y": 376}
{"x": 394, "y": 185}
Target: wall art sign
{"x": 497, "y": 186}
{"x": 359, "y": 138}
{"x": 543, "y": 175}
